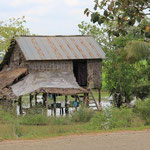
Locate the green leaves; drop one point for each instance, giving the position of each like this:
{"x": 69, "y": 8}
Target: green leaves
{"x": 124, "y": 13}
{"x": 86, "y": 10}
{"x": 137, "y": 50}
{"x": 117, "y": 3}
{"x": 14, "y": 27}
{"x": 106, "y": 13}
{"x": 138, "y": 19}
{"x": 94, "y": 17}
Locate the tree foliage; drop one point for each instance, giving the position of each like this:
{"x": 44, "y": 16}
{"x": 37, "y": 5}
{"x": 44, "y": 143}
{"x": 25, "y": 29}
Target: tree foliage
{"x": 9, "y": 30}
{"x": 124, "y": 13}
{"x": 138, "y": 50}
{"x": 126, "y": 66}
{"x": 99, "y": 34}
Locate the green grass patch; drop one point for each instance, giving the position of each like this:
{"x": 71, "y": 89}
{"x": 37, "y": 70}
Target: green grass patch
{"x": 36, "y": 125}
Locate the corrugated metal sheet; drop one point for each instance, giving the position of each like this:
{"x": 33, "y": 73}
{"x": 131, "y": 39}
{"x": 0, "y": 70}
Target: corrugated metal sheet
{"x": 46, "y": 80}
{"x": 60, "y": 47}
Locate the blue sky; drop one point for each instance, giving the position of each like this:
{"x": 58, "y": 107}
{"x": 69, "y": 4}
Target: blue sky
{"x": 47, "y": 17}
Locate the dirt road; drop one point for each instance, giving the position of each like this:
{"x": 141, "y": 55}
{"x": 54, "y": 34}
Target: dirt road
{"x": 139, "y": 140}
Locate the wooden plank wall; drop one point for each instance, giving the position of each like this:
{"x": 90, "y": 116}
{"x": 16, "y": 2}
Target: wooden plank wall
{"x": 52, "y": 65}
{"x": 95, "y": 73}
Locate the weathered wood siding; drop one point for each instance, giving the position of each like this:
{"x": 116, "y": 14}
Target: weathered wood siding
{"x": 50, "y": 66}
{"x": 17, "y": 59}
{"x": 94, "y": 68}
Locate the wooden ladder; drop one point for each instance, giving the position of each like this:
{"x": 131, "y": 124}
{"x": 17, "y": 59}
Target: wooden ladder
{"x": 93, "y": 101}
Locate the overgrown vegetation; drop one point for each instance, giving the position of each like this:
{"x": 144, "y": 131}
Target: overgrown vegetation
{"x": 84, "y": 120}
{"x": 83, "y": 115}
{"x": 111, "y": 118}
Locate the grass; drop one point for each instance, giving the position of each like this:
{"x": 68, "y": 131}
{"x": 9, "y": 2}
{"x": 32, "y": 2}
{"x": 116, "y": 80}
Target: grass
{"x": 84, "y": 121}
{"x": 35, "y": 126}
{"x": 38, "y": 132}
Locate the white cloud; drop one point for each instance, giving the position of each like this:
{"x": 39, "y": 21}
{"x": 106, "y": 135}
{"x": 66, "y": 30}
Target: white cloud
{"x": 36, "y": 11}
{"x": 72, "y": 2}
{"x": 16, "y": 3}
{"x": 56, "y": 16}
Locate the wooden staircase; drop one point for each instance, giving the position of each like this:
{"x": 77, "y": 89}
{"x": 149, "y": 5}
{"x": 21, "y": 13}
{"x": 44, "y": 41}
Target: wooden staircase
{"x": 92, "y": 101}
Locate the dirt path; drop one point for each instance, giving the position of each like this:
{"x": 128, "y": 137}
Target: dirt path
{"x": 139, "y": 140}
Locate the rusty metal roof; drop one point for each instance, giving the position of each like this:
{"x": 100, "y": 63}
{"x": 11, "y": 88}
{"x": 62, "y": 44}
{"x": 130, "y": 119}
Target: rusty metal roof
{"x": 60, "y": 47}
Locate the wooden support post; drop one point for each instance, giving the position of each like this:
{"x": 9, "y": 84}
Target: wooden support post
{"x": 20, "y": 104}
{"x": 99, "y": 99}
{"x": 76, "y": 101}
{"x": 31, "y": 98}
{"x": 99, "y": 96}
{"x": 44, "y": 99}
{"x": 47, "y": 96}
{"x": 36, "y": 99}
{"x": 62, "y": 109}
{"x": 54, "y": 105}
{"x": 66, "y": 105}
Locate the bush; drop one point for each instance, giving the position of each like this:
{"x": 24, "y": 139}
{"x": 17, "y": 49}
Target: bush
{"x": 83, "y": 115}
{"x": 115, "y": 118}
{"x": 142, "y": 108}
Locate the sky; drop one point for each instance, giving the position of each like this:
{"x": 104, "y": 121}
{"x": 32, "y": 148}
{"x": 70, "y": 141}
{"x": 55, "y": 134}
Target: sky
{"x": 48, "y": 17}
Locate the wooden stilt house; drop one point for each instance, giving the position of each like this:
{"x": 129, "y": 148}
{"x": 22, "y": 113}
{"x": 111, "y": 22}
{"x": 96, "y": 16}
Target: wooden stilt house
{"x": 66, "y": 65}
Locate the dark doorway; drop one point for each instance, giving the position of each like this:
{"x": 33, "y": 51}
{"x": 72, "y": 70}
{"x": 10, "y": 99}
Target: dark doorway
{"x": 80, "y": 71}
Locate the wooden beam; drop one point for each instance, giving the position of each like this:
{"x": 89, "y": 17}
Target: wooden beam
{"x": 54, "y": 105}
{"x": 66, "y": 105}
{"x": 44, "y": 99}
{"x": 99, "y": 96}
{"x": 36, "y": 98}
{"x": 31, "y": 98}
{"x": 47, "y": 97}
{"x": 20, "y": 105}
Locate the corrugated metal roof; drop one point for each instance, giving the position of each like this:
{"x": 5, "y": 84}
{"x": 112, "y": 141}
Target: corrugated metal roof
{"x": 60, "y": 47}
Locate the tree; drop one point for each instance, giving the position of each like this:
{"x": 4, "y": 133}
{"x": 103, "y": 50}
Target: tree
{"x": 124, "y": 13}
{"x": 125, "y": 76}
{"x": 99, "y": 34}
{"x": 9, "y": 30}
{"x": 120, "y": 77}
{"x": 138, "y": 50}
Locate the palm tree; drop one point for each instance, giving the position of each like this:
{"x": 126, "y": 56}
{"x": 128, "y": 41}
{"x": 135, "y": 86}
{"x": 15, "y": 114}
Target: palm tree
{"x": 136, "y": 51}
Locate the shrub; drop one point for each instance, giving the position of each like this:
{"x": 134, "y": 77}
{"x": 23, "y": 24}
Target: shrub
{"x": 142, "y": 108}
{"x": 83, "y": 115}
{"x": 115, "y": 118}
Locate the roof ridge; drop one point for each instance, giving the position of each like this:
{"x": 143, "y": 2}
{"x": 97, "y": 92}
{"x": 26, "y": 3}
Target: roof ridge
{"x": 56, "y": 36}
